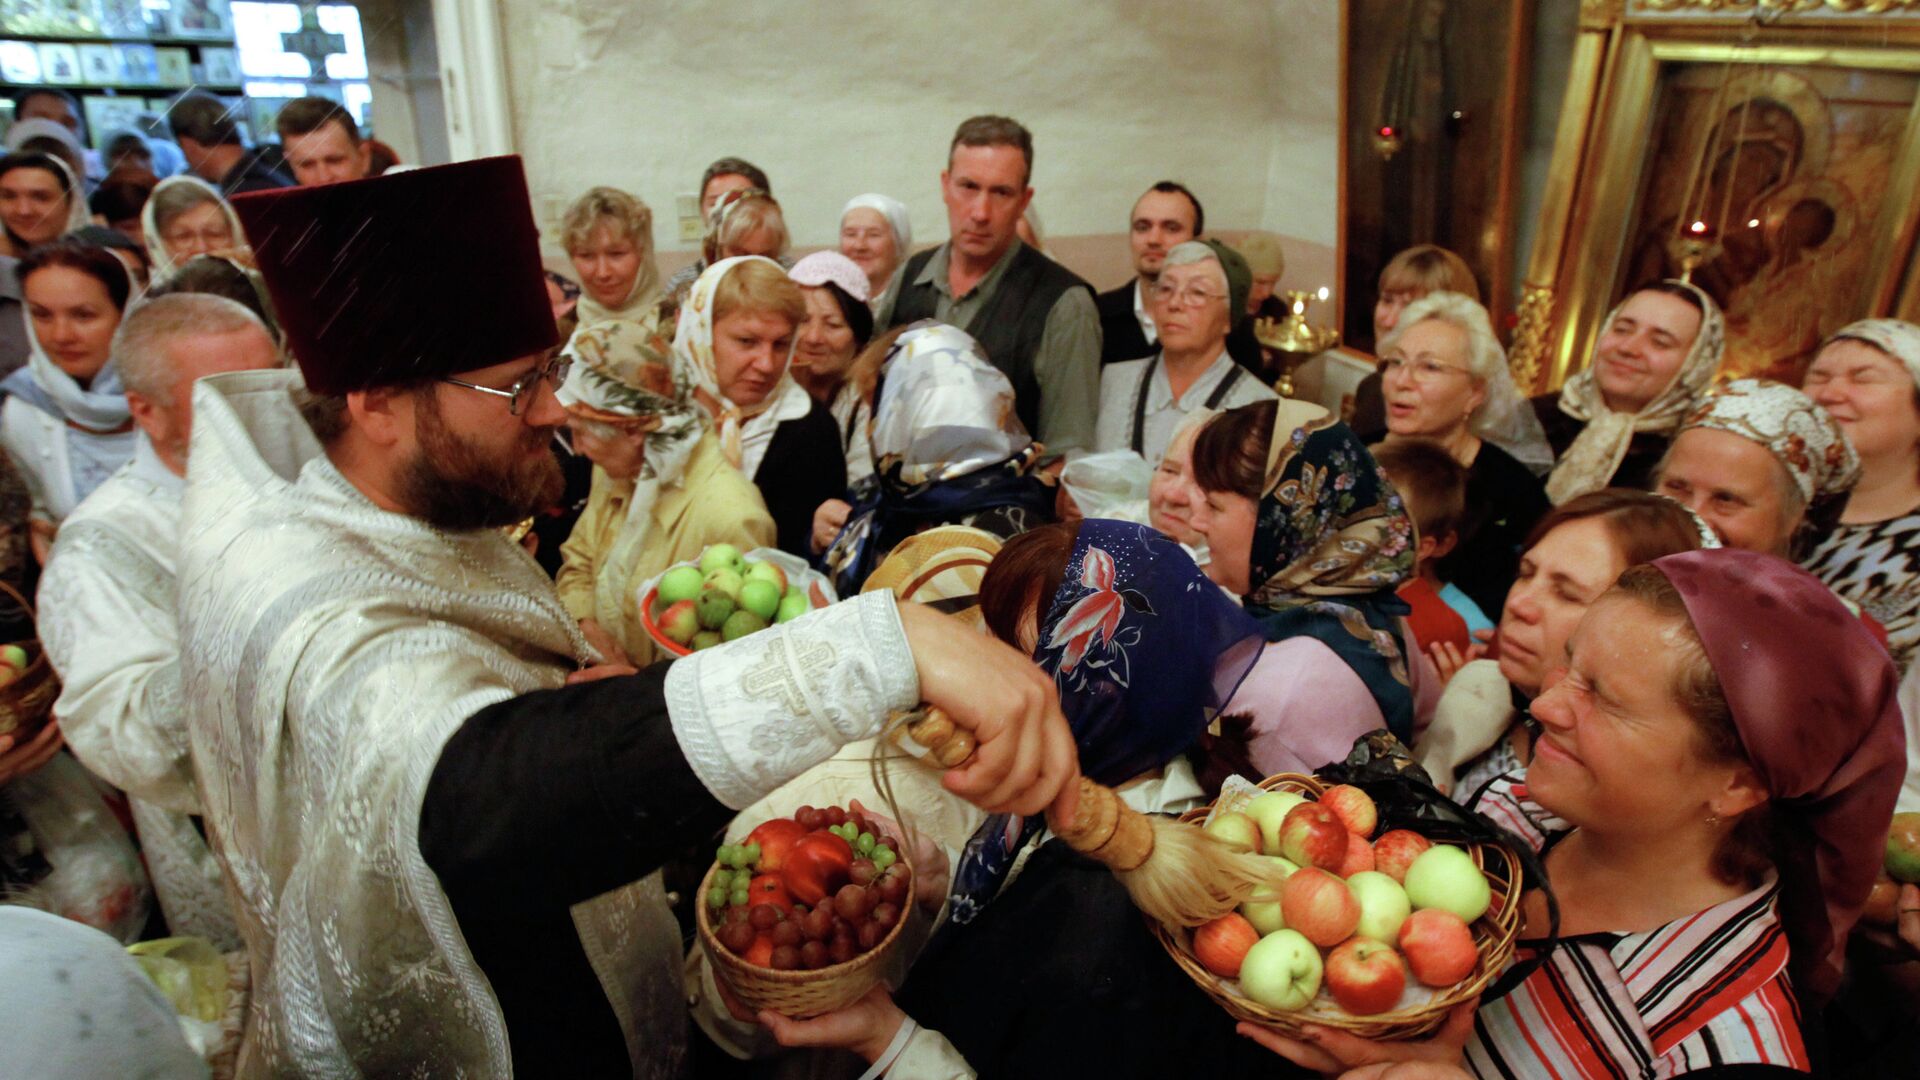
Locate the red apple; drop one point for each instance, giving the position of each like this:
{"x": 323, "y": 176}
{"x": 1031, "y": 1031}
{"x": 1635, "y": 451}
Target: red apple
{"x": 1221, "y": 944}
{"x": 1353, "y": 807}
{"x": 1438, "y": 946}
{"x": 1359, "y": 857}
{"x": 1312, "y": 836}
{"x": 1320, "y": 906}
{"x": 1395, "y": 851}
{"x": 1366, "y": 976}
{"x": 1883, "y": 903}
{"x": 678, "y": 622}
{"x": 817, "y": 865}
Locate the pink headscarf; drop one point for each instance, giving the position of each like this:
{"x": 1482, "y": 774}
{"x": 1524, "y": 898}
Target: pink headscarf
{"x": 1813, "y": 696}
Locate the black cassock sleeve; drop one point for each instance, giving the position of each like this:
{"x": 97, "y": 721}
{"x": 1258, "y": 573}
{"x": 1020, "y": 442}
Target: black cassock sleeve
{"x": 538, "y": 803}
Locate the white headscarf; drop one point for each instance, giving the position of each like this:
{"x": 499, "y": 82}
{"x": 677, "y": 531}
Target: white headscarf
{"x": 890, "y": 208}
{"x": 101, "y": 407}
{"x": 1589, "y": 464}
{"x": 164, "y": 265}
{"x": 744, "y": 432}
{"x": 78, "y": 216}
{"x": 944, "y": 410}
{"x": 1897, "y": 338}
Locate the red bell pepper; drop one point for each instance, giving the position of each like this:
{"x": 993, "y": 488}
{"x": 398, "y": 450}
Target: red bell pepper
{"x": 816, "y": 866}
{"x": 776, "y": 837}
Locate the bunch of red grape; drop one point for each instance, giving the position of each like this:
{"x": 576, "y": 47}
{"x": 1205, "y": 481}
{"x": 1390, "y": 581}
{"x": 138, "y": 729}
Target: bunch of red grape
{"x": 860, "y": 900}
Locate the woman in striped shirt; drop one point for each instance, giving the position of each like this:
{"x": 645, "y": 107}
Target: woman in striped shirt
{"x": 1709, "y": 792}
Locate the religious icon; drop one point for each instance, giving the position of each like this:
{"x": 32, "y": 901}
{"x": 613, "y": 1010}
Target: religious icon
{"x": 60, "y": 64}
{"x": 121, "y": 18}
{"x": 97, "y": 63}
{"x": 19, "y": 62}
{"x": 109, "y": 116}
{"x": 175, "y": 68}
{"x": 201, "y": 19}
{"x": 48, "y": 18}
{"x": 223, "y": 68}
{"x": 138, "y": 65}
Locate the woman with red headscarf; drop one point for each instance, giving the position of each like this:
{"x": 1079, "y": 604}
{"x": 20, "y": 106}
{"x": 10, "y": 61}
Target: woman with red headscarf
{"x": 1710, "y": 793}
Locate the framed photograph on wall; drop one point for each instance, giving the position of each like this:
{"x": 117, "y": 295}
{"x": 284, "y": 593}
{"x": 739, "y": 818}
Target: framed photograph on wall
{"x": 223, "y": 66}
{"x": 99, "y": 66}
{"x": 175, "y": 68}
{"x": 60, "y": 64}
{"x": 203, "y": 19}
{"x": 108, "y": 116}
{"x": 19, "y": 62}
{"x": 138, "y": 65}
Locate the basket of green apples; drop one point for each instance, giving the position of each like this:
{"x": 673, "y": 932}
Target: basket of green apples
{"x": 727, "y": 594}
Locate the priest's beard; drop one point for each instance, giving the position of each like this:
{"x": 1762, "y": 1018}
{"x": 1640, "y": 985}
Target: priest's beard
{"x": 455, "y": 483}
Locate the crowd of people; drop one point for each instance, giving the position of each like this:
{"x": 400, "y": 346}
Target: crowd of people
{"x": 339, "y": 516}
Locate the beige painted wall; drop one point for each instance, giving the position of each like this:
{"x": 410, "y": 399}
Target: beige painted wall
{"x": 1239, "y": 100}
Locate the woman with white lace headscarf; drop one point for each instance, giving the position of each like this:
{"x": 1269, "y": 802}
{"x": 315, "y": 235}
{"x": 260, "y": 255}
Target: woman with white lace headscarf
{"x": 1611, "y": 423}
{"x": 1445, "y": 379}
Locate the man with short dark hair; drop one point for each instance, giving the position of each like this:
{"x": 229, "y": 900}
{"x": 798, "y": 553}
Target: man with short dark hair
{"x": 321, "y": 142}
{"x": 1034, "y": 318}
{"x": 729, "y": 174}
{"x": 204, "y": 127}
{"x": 1166, "y": 216}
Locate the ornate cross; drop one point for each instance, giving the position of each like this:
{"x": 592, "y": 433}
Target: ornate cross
{"x": 313, "y": 43}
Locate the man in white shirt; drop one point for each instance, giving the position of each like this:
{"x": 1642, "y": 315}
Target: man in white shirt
{"x": 1200, "y": 293}
{"x": 1165, "y": 216}
{"x": 107, "y": 600}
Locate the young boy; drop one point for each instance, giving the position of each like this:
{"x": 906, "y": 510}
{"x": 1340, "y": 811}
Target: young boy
{"x": 1434, "y": 487}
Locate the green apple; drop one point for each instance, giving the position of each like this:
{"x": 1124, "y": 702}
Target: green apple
{"x": 679, "y": 583}
{"x": 768, "y": 572}
{"x": 720, "y": 557}
{"x": 1903, "y": 839}
{"x": 760, "y": 597}
{"x": 792, "y": 606}
{"x": 705, "y": 639}
{"x": 14, "y": 657}
{"x": 726, "y": 581}
{"x": 740, "y": 624}
{"x": 1281, "y": 971}
{"x": 1383, "y": 905}
{"x": 1268, "y": 811}
{"x": 1262, "y": 909}
{"x": 1444, "y": 877}
{"x": 713, "y": 608}
{"x": 1236, "y": 830}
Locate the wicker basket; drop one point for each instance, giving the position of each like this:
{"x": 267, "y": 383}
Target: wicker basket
{"x": 26, "y": 702}
{"x": 1493, "y": 932}
{"x": 799, "y": 994}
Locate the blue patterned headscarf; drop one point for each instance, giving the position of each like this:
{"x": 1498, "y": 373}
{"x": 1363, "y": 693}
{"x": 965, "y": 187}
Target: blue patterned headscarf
{"x": 1144, "y": 650}
{"x": 1332, "y": 540}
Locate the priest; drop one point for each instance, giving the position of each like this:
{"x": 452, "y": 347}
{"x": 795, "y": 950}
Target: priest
{"x": 442, "y": 823}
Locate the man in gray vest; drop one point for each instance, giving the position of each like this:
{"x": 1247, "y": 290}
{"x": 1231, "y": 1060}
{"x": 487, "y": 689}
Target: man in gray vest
{"x": 1034, "y": 318}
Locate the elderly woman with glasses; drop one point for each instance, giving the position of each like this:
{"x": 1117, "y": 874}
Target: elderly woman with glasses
{"x": 1201, "y": 293}
{"x": 1445, "y": 380}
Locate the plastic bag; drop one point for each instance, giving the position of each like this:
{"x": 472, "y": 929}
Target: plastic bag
{"x": 818, "y": 585}
{"x": 200, "y": 982}
{"x": 1110, "y": 484}
{"x": 94, "y": 872}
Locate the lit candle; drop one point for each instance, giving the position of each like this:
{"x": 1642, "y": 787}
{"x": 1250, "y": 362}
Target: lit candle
{"x": 1323, "y": 293}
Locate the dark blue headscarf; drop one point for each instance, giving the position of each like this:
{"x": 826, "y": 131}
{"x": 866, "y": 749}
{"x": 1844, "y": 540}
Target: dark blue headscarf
{"x": 1332, "y": 541}
{"x": 1144, "y": 650}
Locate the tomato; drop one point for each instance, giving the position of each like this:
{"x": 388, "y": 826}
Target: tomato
{"x": 816, "y": 866}
{"x": 761, "y": 955}
{"x": 776, "y": 838}
{"x": 768, "y": 889}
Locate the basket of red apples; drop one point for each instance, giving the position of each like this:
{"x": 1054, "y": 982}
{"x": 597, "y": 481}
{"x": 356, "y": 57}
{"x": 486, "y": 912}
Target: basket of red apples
{"x": 1375, "y": 932}
{"x": 800, "y": 917}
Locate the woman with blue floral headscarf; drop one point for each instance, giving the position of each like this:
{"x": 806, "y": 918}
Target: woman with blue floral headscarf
{"x": 948, "y": 449}
{"x": 1304, "y": 527}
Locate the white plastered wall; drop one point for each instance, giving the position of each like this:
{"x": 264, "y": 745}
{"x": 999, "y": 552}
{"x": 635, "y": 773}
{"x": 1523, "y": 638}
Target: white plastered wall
{"x": 1237, "y": 99}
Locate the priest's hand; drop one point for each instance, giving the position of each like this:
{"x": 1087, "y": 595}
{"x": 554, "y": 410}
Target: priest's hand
{"x": 1025, "y": 759}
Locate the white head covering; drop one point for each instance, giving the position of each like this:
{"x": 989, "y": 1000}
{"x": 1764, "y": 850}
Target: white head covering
{"x": 78, "y": 216}
{"x": 822, "y": 267}
{"x": 944, "y": 410}
{"x": 1109, "y": 484}
{"x": 1801, "y": 435}
{"x": 102, "y": 406}
{"x": 890, "y": 208}
{"x": 1505, "y": 418}
{"x": 164, "y": 265}
{"x": 744, "y": 432}
{"x": 1589, "y": 464}
{"x": 24, "y": 131}
{"x": 1897, "y": 338}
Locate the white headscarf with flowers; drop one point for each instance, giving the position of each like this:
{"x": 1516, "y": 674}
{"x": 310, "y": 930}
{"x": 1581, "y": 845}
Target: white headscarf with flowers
{"x": 944, "y": 410}
{"x": 1897, "y": 338}
{"x": 745, "y": 432}
{"x": 1800, "y": 434}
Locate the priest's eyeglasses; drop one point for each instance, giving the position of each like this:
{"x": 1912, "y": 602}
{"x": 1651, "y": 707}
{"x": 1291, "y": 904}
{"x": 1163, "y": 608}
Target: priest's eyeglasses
{"x": 520, "y": 395}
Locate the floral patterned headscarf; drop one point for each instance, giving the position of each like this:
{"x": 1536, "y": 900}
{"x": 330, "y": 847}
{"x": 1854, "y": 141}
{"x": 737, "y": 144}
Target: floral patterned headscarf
{"x": 1801, "y": 435}
{"x": 1332, "y": 541}
{"x": 1144, "y": 651}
